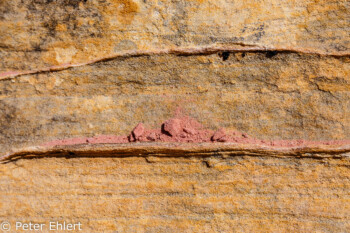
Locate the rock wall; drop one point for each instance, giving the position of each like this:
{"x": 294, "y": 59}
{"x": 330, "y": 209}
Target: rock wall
{"x": 173, "y": 194}
{"x": 286, "y": 96}
{"x": 76, "y": 77}
{"x": 40, "y": 33}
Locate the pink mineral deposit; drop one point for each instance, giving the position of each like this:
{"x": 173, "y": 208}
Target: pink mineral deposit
{"x": 138, "y": 131}
{"x": 183, "y": 130}
{"x": 219, "y": 136}
{"x": 173, "y": 126}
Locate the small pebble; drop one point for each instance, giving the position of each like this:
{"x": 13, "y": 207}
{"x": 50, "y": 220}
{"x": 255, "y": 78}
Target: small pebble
{"x": 138, "y": 131}
{"x": 173, "y": 126}
{"x": 219, "y": 136}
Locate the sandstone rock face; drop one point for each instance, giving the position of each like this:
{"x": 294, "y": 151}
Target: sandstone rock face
{"x": 287, "y": 96}
{"x": 77, "y": 76}
{"x": 39, "y": 33}
{"x": 236, "y": 194}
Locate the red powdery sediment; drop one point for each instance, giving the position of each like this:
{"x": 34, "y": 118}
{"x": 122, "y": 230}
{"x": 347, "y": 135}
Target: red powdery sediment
{"x": 185, "y": 130}
{"x": 219, "y": 136}
{"x": 180, "y": 129}
{"x": 107, "y": 139}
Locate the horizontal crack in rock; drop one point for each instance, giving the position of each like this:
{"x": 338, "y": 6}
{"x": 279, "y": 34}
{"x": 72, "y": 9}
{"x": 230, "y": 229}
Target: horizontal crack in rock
{"x": 178, "y": 51}
{"x": 176, "y": 150}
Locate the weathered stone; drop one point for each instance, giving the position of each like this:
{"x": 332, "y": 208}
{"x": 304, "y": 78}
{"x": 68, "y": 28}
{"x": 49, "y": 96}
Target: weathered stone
{"x": 138, "y": 131}
{"x": 219, "y": 135}
{"x": 35, "y": 34}
{"x": 288, "y": 96}
{"x": 173, "y": 126}
{"x": 75, "y": 76}
{"x": 180, "y": 194}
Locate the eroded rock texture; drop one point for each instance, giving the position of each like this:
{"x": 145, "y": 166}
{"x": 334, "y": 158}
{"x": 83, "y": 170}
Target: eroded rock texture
{"x": 284, "y": 73}
{"x": 39, "y": 33}
{"x": 235, "y": 194}
{"x": 271, "y": 69}
{"x": 269, "y": 96}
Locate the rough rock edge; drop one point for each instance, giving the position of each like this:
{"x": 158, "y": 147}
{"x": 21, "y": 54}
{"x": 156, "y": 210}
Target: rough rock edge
{"x": 176, "y": 150}
{"x": 238, "y": 47}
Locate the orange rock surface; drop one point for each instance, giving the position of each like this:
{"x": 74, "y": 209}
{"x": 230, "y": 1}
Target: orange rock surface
{"x": 77, "y": 76}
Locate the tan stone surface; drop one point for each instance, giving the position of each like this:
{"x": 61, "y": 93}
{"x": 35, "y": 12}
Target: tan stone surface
{"x": 286, "y": 96}
{"x": 277, "y": 69}
{"x": 40, "y": 33}
{"x": 174, "y": 194}
{"x": 162, "y": 55}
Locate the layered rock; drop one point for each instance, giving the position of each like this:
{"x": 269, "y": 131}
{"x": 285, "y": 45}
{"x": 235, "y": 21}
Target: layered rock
{"x": 38, "y": 33}
{"x": 176, "y": 116}
{"x": 179, "y": 194}
{"x": 286, "y": 96}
